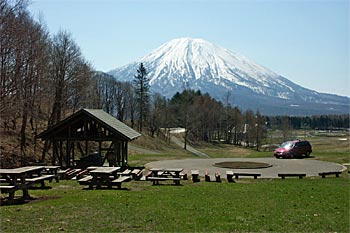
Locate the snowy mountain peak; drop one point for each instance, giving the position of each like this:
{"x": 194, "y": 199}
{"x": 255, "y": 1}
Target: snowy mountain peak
{"x": 210, "y": 68}
{"x": 203, "y": 56}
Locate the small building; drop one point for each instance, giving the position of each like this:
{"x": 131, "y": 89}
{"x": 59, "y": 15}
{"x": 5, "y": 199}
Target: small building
{"x": 84, "y": 132}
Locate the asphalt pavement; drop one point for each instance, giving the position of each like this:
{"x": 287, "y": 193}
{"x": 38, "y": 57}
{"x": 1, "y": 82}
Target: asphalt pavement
{"x": 309, "y": 166}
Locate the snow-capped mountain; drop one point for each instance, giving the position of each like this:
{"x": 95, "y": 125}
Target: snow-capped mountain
{"x": 204, "y": 66}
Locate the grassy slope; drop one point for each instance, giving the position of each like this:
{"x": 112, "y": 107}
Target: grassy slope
{"x": 165, "y": 150}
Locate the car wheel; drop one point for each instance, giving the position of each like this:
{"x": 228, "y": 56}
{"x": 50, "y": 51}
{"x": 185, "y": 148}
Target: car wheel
{"x": 307, "y": 154}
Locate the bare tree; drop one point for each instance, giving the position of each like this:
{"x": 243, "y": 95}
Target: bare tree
{"x": 66, "y": 62}
{"x": 23, "y": 49}
{"x": 158, "y": 113}
{"x": 130, "y": 98}
{"x": 106, "y": 91}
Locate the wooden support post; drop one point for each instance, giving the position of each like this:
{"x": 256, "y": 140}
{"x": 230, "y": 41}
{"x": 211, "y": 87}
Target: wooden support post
{"x": 60, "y": 152}
{"x": 54, "y": 152}
{"x": 73, "y": 151}
{"x": 117, "y": 153}
{"x": 122, "y": 149}
{"x": 86, "y": 147}
{"x": 68, "y": 153}
{"x": 126, "y": 151}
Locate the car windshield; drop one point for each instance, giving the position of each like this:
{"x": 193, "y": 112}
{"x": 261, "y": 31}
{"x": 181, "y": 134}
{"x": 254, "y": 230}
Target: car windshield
{"x": 287, "y": 145}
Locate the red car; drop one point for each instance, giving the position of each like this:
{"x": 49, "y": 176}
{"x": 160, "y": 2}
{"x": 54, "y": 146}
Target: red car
{"x": 292, "y": 149}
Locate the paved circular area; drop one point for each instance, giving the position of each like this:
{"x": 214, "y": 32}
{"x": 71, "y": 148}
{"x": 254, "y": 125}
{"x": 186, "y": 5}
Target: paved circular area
{"x": 309, "y": 166}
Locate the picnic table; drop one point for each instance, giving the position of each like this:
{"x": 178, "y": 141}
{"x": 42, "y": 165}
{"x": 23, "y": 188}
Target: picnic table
{"x": 21, "y": 179}
{"x": 103, "y": 176}
{"x": 52, "y": 170}
{"x": 162, "y": 174}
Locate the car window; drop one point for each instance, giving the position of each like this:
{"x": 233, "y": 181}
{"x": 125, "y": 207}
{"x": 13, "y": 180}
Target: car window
{"x": 287, "y": 145}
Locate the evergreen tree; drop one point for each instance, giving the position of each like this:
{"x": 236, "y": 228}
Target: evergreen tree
{"x": 141, "y": 82}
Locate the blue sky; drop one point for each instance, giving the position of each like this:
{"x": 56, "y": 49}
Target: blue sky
{"x": 305, "y": 41}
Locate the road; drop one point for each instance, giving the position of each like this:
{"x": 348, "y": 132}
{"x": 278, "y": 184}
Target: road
{"x": 309, "y": 166}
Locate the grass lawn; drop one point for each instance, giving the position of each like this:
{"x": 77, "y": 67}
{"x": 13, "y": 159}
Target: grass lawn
{"x": 276, "y": 205}
{"x": 291, "y": 205}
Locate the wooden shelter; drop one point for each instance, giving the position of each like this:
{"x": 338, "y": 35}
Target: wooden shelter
{"x": 86, "y": 129}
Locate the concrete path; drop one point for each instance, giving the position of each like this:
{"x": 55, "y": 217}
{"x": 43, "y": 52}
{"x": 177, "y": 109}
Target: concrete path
{"x": 188, "y": 148}
{"x": 309, "y": 166}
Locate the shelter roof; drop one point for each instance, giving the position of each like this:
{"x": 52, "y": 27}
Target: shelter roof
{"x": 96, "y": 115}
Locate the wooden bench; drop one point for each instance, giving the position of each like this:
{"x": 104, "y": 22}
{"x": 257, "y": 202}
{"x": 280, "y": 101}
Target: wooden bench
{"x": 52, "y": 170}
{"x": 40, "y": 179}
{"x": 72, "y": 173}
{"x": 283, "y": 175}
{"x": 195, "y": 175}
{"x": 118, "y": 182}
{"x": 7, "y": 188}
{"x": 145, "y": 177}
{"x": 10, "y": 189}
{"x": 137, "y": 174}
{"x": 324, "y": 174}
{"x": 156, "y": 180}
{"x": 229, "y": 176}
{"x": 62, "y": 173}
{"x": 183, "y": 175}
{"x": 81, "y": 174}
{"x": 217, "y": 177}
{"x": 207, "y": 176}
{"x": 85, "y": 181}
{"x": 238, "y": 174}
{"x": 126, "y": 172}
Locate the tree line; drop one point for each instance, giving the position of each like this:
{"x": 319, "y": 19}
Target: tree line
{"x": 41, "y": 75}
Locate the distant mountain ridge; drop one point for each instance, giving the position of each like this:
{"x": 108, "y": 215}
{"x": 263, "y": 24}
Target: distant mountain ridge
{"x": 204, "y": 66}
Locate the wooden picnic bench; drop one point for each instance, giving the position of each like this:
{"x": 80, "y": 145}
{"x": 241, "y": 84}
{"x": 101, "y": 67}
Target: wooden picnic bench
{"x": 163, "y": 174}
{"x": 85, "y": 180}
{"x": 238, "y": 174}
{"x": 7, "y": 188}
{"x": 103, "y": 176}
{"x": 118, "y": 182}
{"x": 207, "y": 176}
{"x": 40, "y": 179}
{"x": 21, "y": 179}
{"x": 72, "y": 173}
{"x": 156, "y": 180}
{"x": 195, "y": 175}
{"x": 183, "y": 175}
{"x": 217, "y": 177}
{"x": 52, "y": 170}
{"x": 229, "y": 176}
{"x": 126, "y": 172}
{"x": 62, "y": 173}
{"x": 324, "y": 174}
{"x": 283, "y": 175}
{"x": 137, "y": 174}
